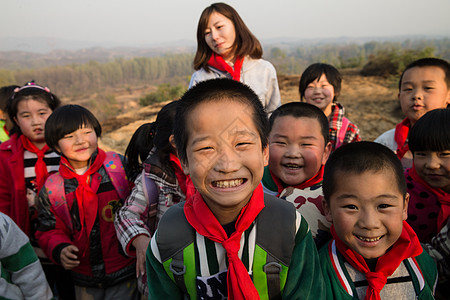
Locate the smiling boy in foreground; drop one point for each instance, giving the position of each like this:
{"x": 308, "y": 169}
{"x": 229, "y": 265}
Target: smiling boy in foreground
{"x": 374, "y": 253}
{"x": 231, "y": 241}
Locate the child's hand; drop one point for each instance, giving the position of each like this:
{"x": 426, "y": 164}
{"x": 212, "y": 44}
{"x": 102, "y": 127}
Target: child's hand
{"x": 140, "y": 243}
{"x": 69, "y": 258}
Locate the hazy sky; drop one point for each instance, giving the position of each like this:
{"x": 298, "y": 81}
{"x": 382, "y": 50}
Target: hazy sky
{"x": 146, "y": 22}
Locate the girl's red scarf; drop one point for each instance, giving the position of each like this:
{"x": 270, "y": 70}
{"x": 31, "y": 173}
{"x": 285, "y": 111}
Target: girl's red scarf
{"x": 198, "y": 214}
{"x": 406, "y": 246}
{"x": 400, "y": 136}
{"x": 442, "y": 196}
{"x": 306, "y": 184}
{"x": 87, "y": 198}
{"x": 184, "y": 181}
{"x": 40, "y": 168}
{"x": 217, "y": 61}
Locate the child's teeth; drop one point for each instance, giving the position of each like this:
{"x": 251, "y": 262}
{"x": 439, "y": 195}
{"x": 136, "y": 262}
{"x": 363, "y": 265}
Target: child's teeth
{"x": 368, "y": 239}
{"x": 228, "y": 183}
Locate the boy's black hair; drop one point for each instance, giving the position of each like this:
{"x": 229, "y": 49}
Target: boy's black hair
{"x": 428, "y": 62}
{"x": 302, "y": 110}
{"x": 150, "y": 136}
{"x": 431, "y": 132}
{"x": 357, "y": 158}
{"x": 314, "y": 71}
{"x": 220, "y": 89}
{"x": 30, "y": 91}
{"x": 67, "y": 119}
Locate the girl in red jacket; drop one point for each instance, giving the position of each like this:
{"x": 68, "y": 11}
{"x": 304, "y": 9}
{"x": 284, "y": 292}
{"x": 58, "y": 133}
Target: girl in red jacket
{"x": 77, "y": 208}
{"x": 25, "y": 163}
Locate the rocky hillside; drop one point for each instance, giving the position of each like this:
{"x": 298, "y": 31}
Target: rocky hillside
{"x": 370, "y": 102}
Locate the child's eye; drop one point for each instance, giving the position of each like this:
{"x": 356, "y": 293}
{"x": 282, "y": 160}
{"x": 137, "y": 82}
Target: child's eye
{"x": 421, "y": 154}
{"x": 279, "y": 143}
{"x": 68, "y": 136}
{"x": 428, "y": 88}
{"x": 384, "y": 206}
{"x": 351, "y": 206}
{"x": 243, "y": 144}
{"x": 445, "y": 154}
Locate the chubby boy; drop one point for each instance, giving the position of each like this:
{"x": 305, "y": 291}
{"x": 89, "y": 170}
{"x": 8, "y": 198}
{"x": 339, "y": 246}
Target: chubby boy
{"x": 374, "y": 253}
{"x": 424, "y": 85}
{"x": 299, "y": 147}
{"x": 229, "y": 240}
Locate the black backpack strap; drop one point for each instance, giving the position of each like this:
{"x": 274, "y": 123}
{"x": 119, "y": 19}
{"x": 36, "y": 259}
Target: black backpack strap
{"x": 175, "y": 234}
{"x": 276, "y": 231}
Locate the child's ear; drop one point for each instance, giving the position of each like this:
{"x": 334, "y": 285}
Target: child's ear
{"x": 326, "y": 153}
{"x": 266, "y": 155}
{"x": 405, "y": 207}
{"x": 172, "y": 141}
{"x": 327, "y": 211}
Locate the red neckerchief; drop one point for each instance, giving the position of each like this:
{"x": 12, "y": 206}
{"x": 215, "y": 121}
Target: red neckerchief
{"x": 400, "y": 136}
{"x": 217, "y": 61}
{"x": 442, "y": 196}
{"x": 87, "y": 198}
{"x": 406, "y": 246}
{"x": 184, "y": 182}
{"x": 40, "y": 168}
{"x": 198, "y": 214}
{"x": 306, "y": 184}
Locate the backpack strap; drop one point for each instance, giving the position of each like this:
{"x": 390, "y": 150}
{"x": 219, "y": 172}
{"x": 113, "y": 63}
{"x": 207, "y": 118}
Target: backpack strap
{"x": 116, "y": 172}
{"x": 175, "y": 239}
{"x": 57, "y": 196}
{"x": 151, "y": 194}
{"x": 276, "y": 231}
{"x": 342, "y": 132}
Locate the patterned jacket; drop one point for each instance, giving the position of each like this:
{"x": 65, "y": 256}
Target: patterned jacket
{"x": 350, "y": 132}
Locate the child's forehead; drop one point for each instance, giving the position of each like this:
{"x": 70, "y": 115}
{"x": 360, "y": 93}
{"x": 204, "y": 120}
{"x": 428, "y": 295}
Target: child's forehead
{"x": 426, "y": 73}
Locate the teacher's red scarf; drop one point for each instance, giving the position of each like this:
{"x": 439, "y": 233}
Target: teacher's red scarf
{"x": 198, "y": 214}
{"x": 87, "y": 198}
{"x": 406, "y": 246}
{"x": 400, "y": 136}
{"x": 217, "y": 61}
{"x": 442, "y": 196}
{"x": 40, "y": 168}
{"x": 306, "y": 184}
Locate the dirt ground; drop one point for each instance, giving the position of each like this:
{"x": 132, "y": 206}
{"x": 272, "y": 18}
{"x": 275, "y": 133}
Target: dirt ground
{"x": 370, "y": 102}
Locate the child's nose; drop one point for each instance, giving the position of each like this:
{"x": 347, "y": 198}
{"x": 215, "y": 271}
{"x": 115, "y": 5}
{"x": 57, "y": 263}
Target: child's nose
{"x": 417, "y": 94}
{"x": 293, "y": 151}
{"x": 369, "y": 220}
{"x": 226, "y": 162}
{"x": 432, "y": 162}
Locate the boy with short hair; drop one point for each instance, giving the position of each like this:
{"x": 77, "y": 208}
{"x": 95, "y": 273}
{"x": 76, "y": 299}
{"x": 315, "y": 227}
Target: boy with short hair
{"x": 229, "y": 240}
{"x": 299, "y": 147}
{"x": 374, "y": 253}
{"x": 424, "y": 85}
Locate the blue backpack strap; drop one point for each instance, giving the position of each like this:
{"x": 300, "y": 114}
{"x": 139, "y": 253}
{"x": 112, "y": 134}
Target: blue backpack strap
{"x": 57, "y": 196}
{"x": 116, "y": 172}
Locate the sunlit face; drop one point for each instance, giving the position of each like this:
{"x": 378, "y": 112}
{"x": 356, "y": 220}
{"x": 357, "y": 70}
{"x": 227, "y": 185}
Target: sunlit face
{"x": 78, "y": 146}
{"x": 31, "y": 117}
{"x": 220, "y": 35}
{"x": 423, "y": 89}
{"x": 225, "y": 158}
{"x": 320, "y": 93}
{"x": 367, "y": 211}
{"x": 434, "y": 168}
{"x": 297, "y": 149}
